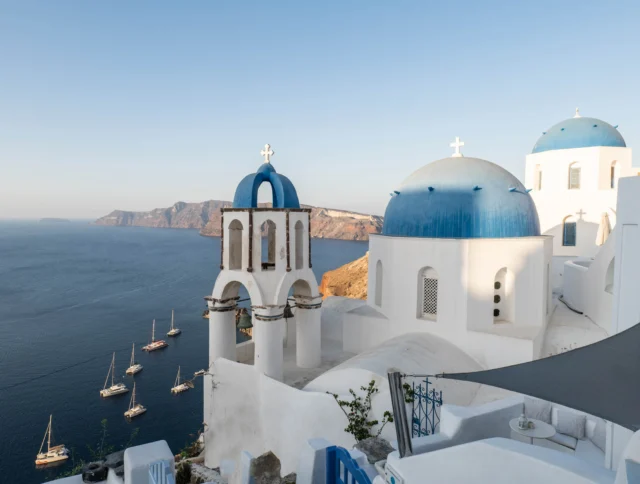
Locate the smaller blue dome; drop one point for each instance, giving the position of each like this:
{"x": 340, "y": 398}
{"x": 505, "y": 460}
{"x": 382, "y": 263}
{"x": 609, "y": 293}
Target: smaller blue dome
{"x": 284, "y": 193}
{"x": 461, "y": 198}
{"x": 579, "y": 133}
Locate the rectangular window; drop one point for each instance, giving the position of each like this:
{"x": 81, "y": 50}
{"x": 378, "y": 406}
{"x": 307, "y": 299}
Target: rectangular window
{"x": 574, "y": 178}
{"x": 537, "y": 178}
{"x": 569, "y": 234}
{"x": 429, "y": 296}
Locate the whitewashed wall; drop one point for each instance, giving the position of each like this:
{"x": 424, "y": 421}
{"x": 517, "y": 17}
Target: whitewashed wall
{"x": 466, "y": 274}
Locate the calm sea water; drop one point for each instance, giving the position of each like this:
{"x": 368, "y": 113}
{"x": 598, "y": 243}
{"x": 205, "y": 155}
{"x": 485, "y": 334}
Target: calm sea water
{"x": 70, "y": 295}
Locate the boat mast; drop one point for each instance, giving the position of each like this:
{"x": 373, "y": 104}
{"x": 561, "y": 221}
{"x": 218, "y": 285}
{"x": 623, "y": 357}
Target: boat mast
{"x": 132, "y": 403}
{"x": 113, "y": 367}
{"x": 49, "y": 441}
{"x": 46, "y": 432}
{"x": 133, "y": 349}
{"x": 110, "y": 368}
{"x": 153, "y": 332}
{"x": 172, "y": 320}
{"x": 177, "y": 378}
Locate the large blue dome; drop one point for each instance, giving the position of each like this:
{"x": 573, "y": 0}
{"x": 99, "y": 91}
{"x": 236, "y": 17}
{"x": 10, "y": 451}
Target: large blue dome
{"x": 283, "y": 191}
{"x": 461, "y": 198}
{"x": 579, "y": 133}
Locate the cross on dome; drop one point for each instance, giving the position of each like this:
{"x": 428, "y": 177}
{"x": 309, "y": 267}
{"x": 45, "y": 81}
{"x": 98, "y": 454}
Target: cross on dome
{"x": 577, "y": 115}
{"x": 267, "y": 152}
{"x": 581, "y": 213}
{"x": 457, "y": 144}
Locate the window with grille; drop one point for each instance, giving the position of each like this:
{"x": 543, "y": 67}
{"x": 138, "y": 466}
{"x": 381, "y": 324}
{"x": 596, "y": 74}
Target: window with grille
{"x": 569, "y": 234}
{"x": 574, "y": 177}
{"x": 429, "y": 296}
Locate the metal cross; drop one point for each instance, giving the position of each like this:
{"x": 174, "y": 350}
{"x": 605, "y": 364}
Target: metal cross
{"x": 267, "y": 152}
{"x": 457, "y": 144}
{"x": 581, "y": 213}
{"x": 577, "y": 115}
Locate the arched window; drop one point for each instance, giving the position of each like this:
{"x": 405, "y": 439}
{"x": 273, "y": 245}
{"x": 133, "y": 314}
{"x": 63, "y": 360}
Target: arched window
{"x": 608, "y": 281}
{"x": 613, "y": 175}
{"x": 537, "y": 178}
{"x": 428, "y": 293}
{"x": 574, "y": 176}
{"x": 378, "y": 298}
{"x": 235, "y": 245}
{"x": 299, "y": 245}
{"x": 268, "y": 231}
{"x": 569, "y": 232}
{"x": 503, "y": 296}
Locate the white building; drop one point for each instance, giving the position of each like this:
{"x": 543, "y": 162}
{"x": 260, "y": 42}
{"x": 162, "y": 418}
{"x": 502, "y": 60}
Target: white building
{"x": 573, "y": 170}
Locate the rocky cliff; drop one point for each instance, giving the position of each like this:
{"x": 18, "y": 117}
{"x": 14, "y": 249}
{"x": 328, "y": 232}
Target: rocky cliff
{"x": 325, "y": 223}
{"x": 349, "y": 280}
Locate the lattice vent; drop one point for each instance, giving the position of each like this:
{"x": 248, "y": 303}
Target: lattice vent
{"x": 429, "y": 296}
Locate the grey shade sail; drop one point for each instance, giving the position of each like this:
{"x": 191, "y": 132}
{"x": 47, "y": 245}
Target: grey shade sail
{"x": 602, "y": 379}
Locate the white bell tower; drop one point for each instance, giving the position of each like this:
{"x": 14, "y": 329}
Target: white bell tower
{"x": 267, "y": 250}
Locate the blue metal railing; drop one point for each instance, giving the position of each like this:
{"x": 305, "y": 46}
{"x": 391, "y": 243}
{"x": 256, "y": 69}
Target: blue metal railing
{"x": 425, "y": 416}
{"x": 340, "y": 462}
{"x": 160, "y": 473}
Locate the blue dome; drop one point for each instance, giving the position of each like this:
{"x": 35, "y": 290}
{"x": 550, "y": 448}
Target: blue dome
{"x": 284, "y": 193}
{"x": 579, "y": 133}
{"x": 461, "y": 198}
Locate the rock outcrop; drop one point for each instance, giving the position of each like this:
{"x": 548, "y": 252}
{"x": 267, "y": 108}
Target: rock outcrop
{"x": 205, "y": 216}
{"x": 349, "y": 280}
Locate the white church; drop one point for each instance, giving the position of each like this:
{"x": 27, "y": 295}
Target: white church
{"x": 473, "y": 270}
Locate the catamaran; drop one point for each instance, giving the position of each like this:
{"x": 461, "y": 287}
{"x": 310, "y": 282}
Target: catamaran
{"x": 180, "y": 387}
{"x": 155, "y": 345}
{"x": 133, "y": 366}
{"x": 135, "y": 409}
{"x": 200, "y": 372}
{"x": 115, "y": 388}
{"x": 173, "y": 331}
{"x": 53, "y": 454}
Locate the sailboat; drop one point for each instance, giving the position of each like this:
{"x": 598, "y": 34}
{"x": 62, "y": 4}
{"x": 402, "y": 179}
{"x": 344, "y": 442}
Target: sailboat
{"x": 180, "y": 387}
{"x": 135, "y": 409}
{"x": 200, "y": 372}
{"x": 173, "y": 331}
{"x": 115, "y": 388}
{"x": 155, "y": 345}
{"x": 53, "y": 454}
{"x": 133, "y": 366}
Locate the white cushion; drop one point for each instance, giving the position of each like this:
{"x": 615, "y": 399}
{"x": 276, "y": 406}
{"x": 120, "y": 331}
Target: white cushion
{"x": 565, "y": 440}
{"x": 587, "y": 451}
{"x": 599, "y": 434}
{"x": 538, "y": 409}
{"x": 570, "y": 423}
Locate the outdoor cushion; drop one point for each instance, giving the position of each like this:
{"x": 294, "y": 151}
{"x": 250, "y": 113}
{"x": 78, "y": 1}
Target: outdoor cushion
{"x": 570, "y": 423}
{"x": 538, "y": 409}
{"x": 565, "y": 440}
{"x": 600, "y": 435}
{"x": 588, "y": 452}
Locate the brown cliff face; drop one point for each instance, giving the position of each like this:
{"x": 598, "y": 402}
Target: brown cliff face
{"x": 350, "y": 280}
{"x": 325, "y": 223}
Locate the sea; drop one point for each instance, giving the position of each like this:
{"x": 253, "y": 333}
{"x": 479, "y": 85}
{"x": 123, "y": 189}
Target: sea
{"x": 72, "y": 294}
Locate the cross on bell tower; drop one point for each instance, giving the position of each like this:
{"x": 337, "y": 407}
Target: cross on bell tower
{"x": 457, "y": 144}
{"x": 267, "y": 152}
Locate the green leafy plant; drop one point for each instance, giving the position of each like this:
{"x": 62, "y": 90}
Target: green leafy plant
{"x": 357, "y": 411}
{"x": 183, "y": 473}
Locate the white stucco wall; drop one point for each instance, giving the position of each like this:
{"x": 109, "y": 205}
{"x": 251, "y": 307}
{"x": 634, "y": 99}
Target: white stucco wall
{"x": 466, "y": 271}
{"x": 588, "y": 285}
{"x": 555, "y": 201}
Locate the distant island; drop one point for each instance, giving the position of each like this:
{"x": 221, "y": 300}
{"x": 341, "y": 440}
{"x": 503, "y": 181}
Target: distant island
{"x": 205, "y": 216}
{"x": 54, "y": 220}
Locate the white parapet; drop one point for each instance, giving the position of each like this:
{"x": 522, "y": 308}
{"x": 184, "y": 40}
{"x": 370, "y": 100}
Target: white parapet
{"x": 138, "y": 458}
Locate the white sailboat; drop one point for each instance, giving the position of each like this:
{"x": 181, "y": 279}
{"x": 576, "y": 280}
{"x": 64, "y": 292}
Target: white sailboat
{"x": 173, "y": 331}
{"x": 53, "y": 454}
{"x": 155, "y": 345}
{"x": 115, "y": 388}
{"x": 180, "y": 387}
{"x": 135, "y": 409}
{"x": 133, "y": 366}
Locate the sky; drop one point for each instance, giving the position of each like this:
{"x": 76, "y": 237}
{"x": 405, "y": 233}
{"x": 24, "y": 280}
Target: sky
{"x": 137, "y": 105}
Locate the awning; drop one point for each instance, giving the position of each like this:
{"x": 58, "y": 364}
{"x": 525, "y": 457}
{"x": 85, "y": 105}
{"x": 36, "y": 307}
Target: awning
{"x": 602, "y": 379}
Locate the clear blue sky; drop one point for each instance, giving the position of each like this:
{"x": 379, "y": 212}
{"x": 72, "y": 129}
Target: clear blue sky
{"x": 136, "y": 105}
